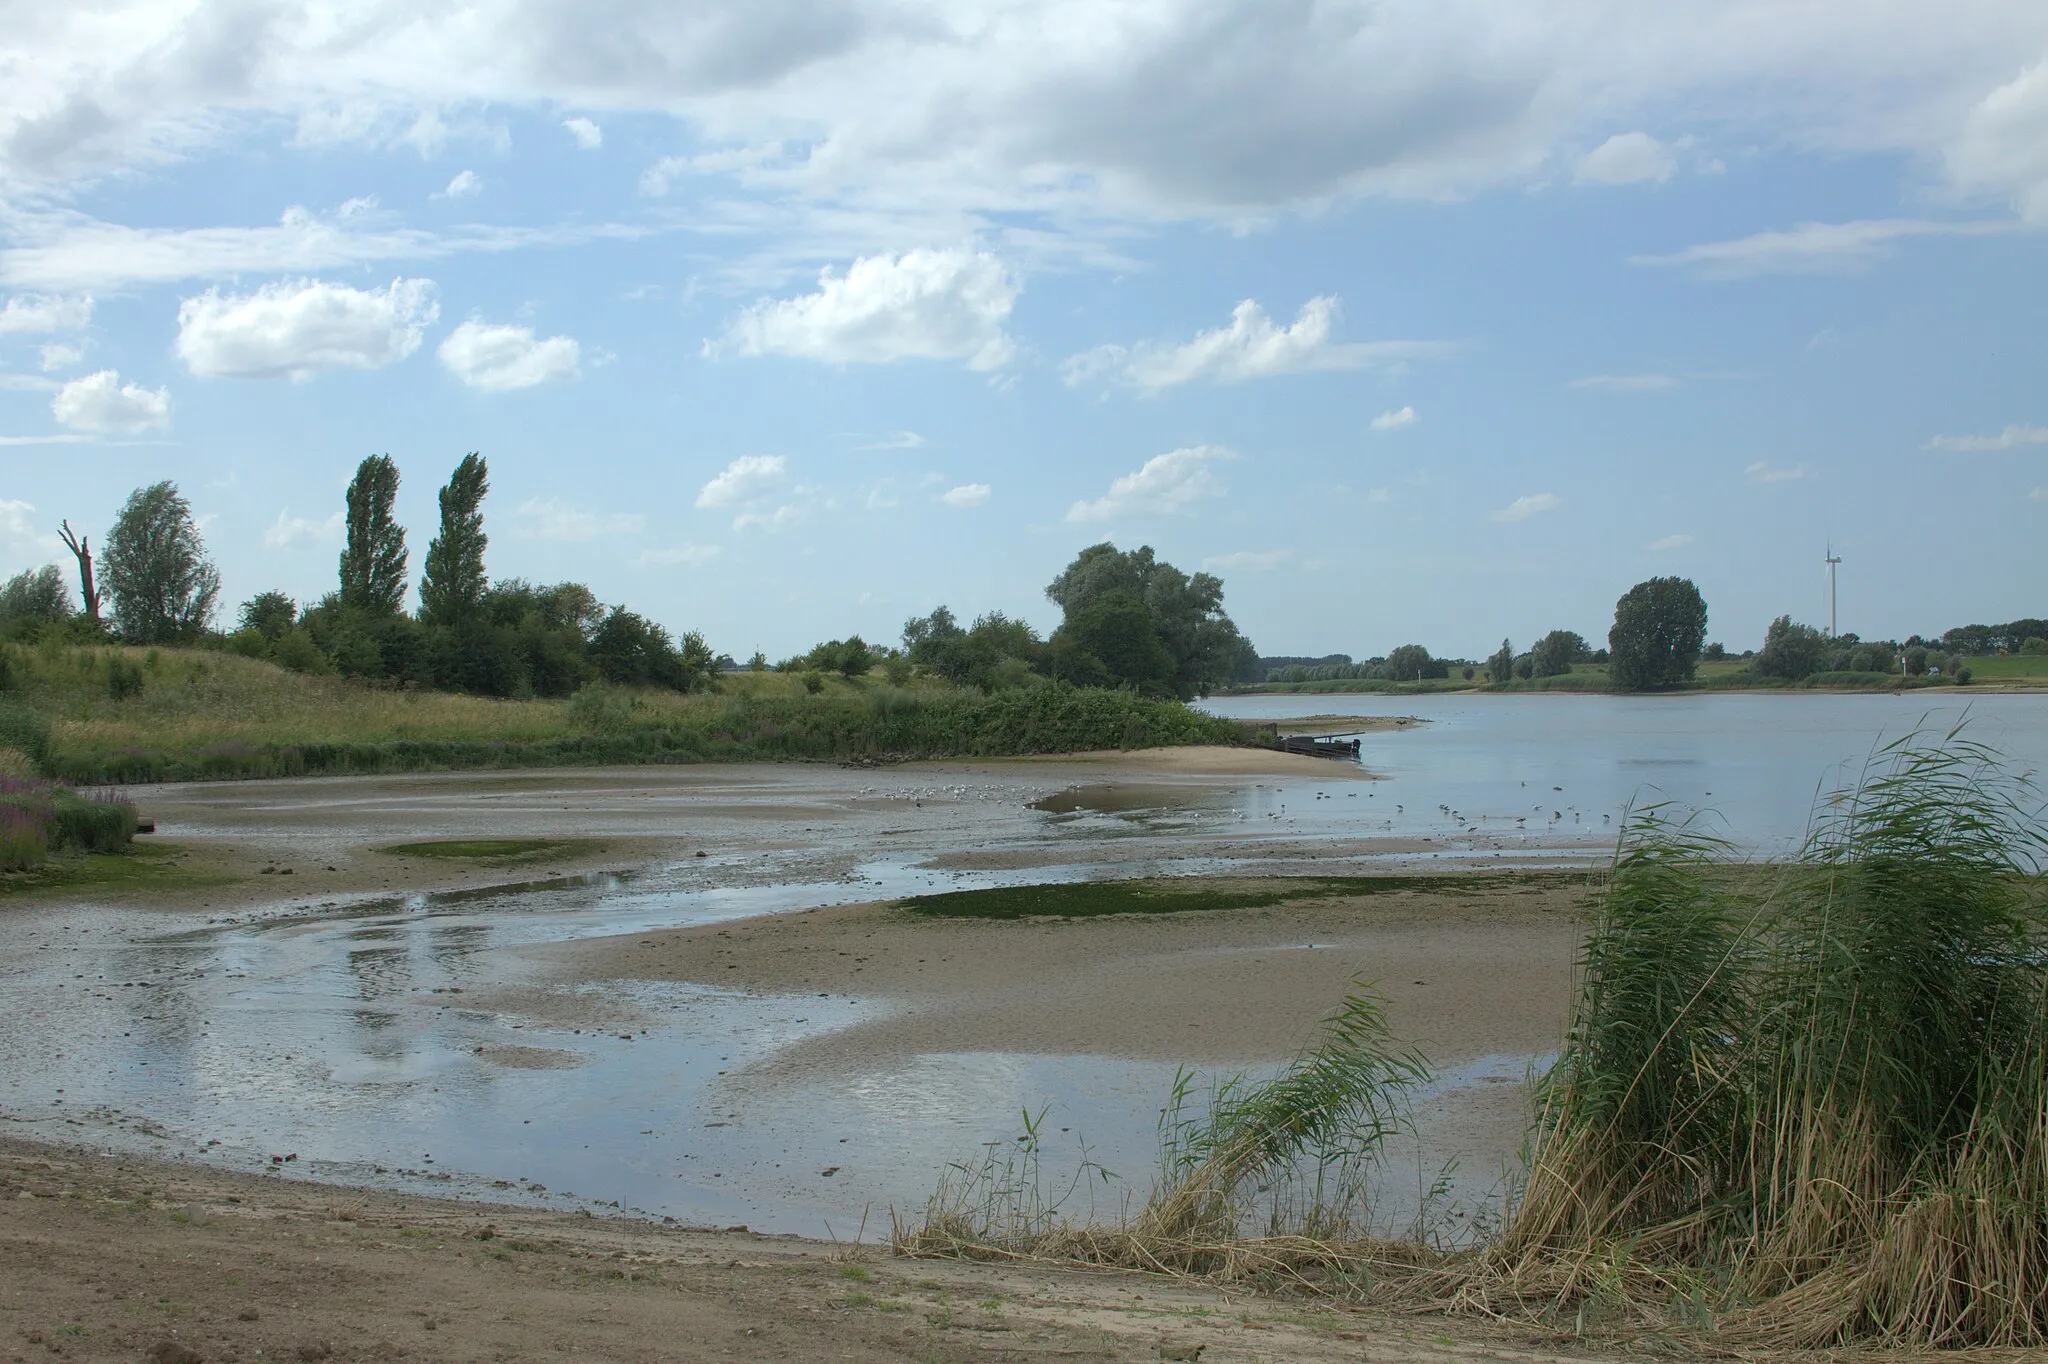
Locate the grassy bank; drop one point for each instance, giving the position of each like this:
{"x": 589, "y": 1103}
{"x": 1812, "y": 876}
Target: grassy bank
{"x": 131, "y": 715}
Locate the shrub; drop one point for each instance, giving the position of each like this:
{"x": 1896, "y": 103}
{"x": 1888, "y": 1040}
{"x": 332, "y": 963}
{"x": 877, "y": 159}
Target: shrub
{"x": 26, "y": 732}
{"x": 23, "y": 842}
{"x": 1963, "y": 676}
{"x": 124, "y": 679}
{"x": 814, "y": 681}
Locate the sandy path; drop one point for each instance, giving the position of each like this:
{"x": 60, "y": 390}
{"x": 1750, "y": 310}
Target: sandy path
{"x": 102, "y": 1259}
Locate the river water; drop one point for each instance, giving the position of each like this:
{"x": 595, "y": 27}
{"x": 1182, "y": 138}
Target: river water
{"x": 341, "y": 1039}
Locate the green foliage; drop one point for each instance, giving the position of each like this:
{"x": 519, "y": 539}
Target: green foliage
{"x": 1501, "y": 667}
{"x": 1659, "y": 626}
{"x": 124, "y": 678}
{"x": 630, "y": 650}
{"x": 994, "y": 652}
{"x": 1791, "y": 651}
{"x": 452, "y": 585}
{"x": 33, "y": 596}
{"x": 154, "y": 569}
{"x": 601, "y": 708}
{"x": 1555, "y": 653}
{"x": 269, "y": 614}
{"x": 25, "y": 731}
{"x": 1412, "y": 663}
{"x": 1182, "y": 616}
{"x": 374, "y": 556}
{"x": 38, "y": 818}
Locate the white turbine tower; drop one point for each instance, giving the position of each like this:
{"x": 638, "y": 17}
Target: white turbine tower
{"x": 1831, "y": 560}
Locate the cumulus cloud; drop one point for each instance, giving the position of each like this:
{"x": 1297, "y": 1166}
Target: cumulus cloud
{"x": 966, "y": 495}
{"x": 1248, "y": 560}
{"x": 1522, "y": 508}
{"x": 20, "y": 538}
{"x": 1625, "y": 383}
{"x": 57, "y": 355}
{"x": 44, "y": 314}
{"x": 548, "y": 518}
{"x": 1249, "y": 346}
{"x": 294, "y": 532}
{"x": 685, "y": 555}
{"x": 587, "y": 134}
{"x": 1668, "y": 542}
{"x": 466, "y": 185}
{"x": 922, "y": 305}
{"x": 1818, "y": 248}
{"x": 1166, "y": 484}
{"x": 748, "y": 479}
{"x": 296, "y": 329}
{"x": 1763, "y": 472}
{"x": 498, "y": 359}
{"x": 1626, "y": 159}
{"x": 102, "y": 404}
{"x": 1395, "y": 420}
{"x": 2012, "y": 438}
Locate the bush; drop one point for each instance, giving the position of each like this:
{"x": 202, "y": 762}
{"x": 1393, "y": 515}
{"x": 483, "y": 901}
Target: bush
{"x": 124, "y": 678}
{"x": 25, "y": 731}
{"x": 814, "y": 681}
{"x": 37, "y": 817}
{"x": 1963, "y": 676}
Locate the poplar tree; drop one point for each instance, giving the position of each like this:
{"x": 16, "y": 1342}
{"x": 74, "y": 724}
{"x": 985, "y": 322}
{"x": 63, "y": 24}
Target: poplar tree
{"x": 452, "y": 585}
{"x": 373, "y": 560}
{"x": 155, "y": 568}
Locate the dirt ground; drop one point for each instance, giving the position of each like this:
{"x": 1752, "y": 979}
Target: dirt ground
{"x": 111, "y": 1259}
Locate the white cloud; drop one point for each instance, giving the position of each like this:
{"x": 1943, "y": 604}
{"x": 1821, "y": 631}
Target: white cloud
{"x": 1762, "y": 472}
{"x": 2012, "y": 438}
{"x": 26, "y": 383}
{"x": 293, "y": 532}
{"x": 787, "y": 514}
{"x": 1166, "y": 484}
{"x": 1379, "y": 496}
{"x": 1248, "y": 560}
{"x": 2038, "y": 495}
{"x": 1395, "y": 420}
{"x": 21, "y": 542}
{"x": 902, "y": 440}
{"x": 298, "y": 328}
{"x": 1668, "y": 542}
{"x": 45, "y": 440}
{"x": 102, "y": 404}
{"x": 1625, "y": 383}
{"x": 1250, "y": 346}
{"x": 467, "y": 184}
{"x": 498, "y": 359}
{"x": 966, "y": 495}
{"x": 1818, "y": 248}
{"x": 57, "y": 355}
{"x": 685, "y": 555}
{"x": 748, "y": 479}
{"x": 1522, "y": 508}
{"x": 1626, "y": 159}
{"x": 548, "y": 518}
{"x": 43, "y": 314}
{"x": 588, "y": 135}
{"x": 922, "y": 305}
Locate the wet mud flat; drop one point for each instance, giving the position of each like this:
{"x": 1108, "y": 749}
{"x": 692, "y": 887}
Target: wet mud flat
{"x": 576, "y": 1033}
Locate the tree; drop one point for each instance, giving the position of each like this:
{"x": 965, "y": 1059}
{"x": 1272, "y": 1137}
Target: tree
{"x": 1186, "y": 616}
{"x": 36, "y": 594}
{"x": 1790, "y": 651}
{"x": 1116, "y": 630}
{"x": 269, "y": 614}
{"x": 373, "y": 560}
{"x": 162, "y": 585}
{"x": 1555, "y": 653}
{"x": 452, "y": 586}
{"x": 81, "y": 550}
{"x": 1501, "y": 667}
{"x": 1659, "y": 626}
{"x": 1411, "y": 663}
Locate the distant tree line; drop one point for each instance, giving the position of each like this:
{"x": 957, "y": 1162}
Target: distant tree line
{"x": 504, "y": 638}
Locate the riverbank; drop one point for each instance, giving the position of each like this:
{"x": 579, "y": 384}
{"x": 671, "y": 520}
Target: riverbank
{"x": 107, "y": 1258}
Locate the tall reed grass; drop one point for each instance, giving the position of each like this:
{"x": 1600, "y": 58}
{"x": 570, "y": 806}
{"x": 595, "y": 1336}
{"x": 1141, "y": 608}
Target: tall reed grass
{"x": 38, "y": 817}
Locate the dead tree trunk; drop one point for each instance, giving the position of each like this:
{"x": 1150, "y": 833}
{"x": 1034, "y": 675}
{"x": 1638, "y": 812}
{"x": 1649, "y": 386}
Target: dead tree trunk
{"x": 81, "y": 548}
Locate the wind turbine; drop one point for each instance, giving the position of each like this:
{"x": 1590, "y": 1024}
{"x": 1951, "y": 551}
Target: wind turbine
{"x": 1831, "y": 560}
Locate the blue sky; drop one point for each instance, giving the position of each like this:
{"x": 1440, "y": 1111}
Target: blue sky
{"x": 1415, "y": 322}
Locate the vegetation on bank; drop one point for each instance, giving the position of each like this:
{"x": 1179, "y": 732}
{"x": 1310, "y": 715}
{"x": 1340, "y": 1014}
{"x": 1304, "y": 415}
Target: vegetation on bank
{"x": 40, "y": 818}
{"x": 123, "y": 715}
{"x": 1802, "y": 1106}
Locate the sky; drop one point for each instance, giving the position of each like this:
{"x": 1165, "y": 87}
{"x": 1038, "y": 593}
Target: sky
{"x": 1434, "y": 321}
